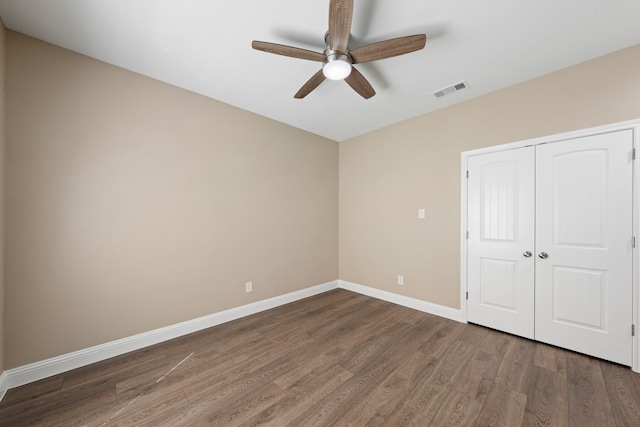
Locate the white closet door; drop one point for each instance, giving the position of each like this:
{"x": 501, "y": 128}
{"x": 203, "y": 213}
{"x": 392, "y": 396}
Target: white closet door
{"x": 500, "y": 222}
{"x": 584, "y": 245}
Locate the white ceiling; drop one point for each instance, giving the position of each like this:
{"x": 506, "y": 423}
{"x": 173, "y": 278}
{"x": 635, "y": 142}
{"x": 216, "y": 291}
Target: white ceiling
{"x": 205, "y": 46}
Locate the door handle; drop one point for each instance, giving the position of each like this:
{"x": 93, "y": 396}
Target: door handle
{"x": 526, "y": 254}
{"x": 543, "y": 255}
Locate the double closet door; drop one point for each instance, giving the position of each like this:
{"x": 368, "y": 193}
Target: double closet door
{"x": 550, "y": 243}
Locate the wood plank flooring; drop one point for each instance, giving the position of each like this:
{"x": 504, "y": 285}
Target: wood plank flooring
{"x": 336, "y": 359}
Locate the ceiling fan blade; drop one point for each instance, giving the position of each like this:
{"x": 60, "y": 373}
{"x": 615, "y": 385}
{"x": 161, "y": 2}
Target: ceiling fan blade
{"x": 388, "y": 48}
{"x": 340, "y": 17}
{"x": 310, "y": 85}
{"x": 294, "y": 52}
{"x": 360, "y": 84}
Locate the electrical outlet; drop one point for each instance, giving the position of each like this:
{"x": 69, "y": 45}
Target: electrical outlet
{"x": 421, "y": 214}
{"x": 248, "y": 287}
{"x": 400, "y": 280}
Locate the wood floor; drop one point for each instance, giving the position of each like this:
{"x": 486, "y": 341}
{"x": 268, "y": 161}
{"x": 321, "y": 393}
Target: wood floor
{"x": 336, "y": 359}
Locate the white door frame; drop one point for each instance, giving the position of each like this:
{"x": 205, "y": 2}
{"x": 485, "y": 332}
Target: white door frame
{"x": 634, "y": 125}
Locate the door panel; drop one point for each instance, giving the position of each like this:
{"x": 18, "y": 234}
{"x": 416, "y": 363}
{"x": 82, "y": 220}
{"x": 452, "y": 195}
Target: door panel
{"x": 584, "y": 223}
{"x": 497, "y": 283}
{"x": 579, "y": 194}
{"x": 500, "y": 223}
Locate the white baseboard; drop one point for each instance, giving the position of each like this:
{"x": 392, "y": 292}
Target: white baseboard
{"x": 39, "y": 370}
{"x": 3, "y": 385}
{"x": 56, "y": 365}
{"x": 416, "y": 304}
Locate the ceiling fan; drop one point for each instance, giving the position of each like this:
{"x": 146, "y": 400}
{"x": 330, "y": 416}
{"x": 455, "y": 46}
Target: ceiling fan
{"x": 337, "y": 59}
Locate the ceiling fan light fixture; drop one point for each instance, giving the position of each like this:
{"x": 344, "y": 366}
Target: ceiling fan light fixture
{"x": 337, "y": 66}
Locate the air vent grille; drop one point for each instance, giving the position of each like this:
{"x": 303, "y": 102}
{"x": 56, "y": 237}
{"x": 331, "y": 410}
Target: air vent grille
{"x": 451, "y": 89}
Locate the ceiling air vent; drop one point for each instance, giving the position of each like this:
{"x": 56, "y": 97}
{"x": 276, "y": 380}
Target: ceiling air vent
{"x": 451, "y": 89}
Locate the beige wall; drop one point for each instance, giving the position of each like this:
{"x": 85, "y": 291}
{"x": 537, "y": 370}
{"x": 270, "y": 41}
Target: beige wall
{"x": 133, "y": 205}
{"x": 2, "y": 179}
{"x": 387, "y": 175}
